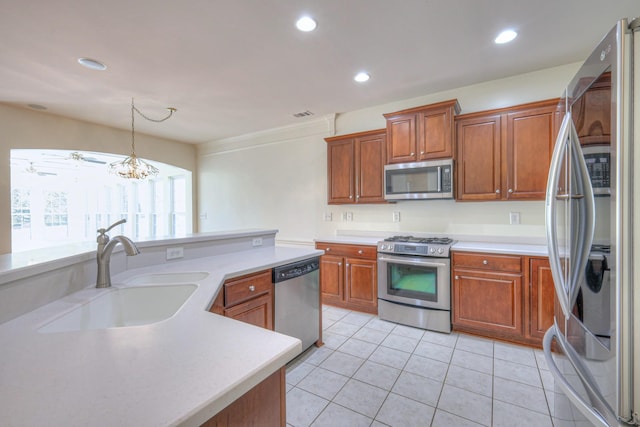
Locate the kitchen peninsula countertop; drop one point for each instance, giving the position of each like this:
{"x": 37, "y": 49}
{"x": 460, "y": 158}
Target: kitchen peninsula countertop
{"x": 180, "y": 371}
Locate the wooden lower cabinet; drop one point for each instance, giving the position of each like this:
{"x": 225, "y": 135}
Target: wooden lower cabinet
{"x": 507, "y": 297}
{"x": 349, "y": 276}
{"x": 488, "y": 301}
{"x": 248, "y": 298}
{"x": 262, "y": 406}
{"x": 541, "y": 298}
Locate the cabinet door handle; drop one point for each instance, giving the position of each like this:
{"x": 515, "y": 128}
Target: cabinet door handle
{"x": 339, "y": 264}
{"x": 511, "y": 190}
{"x": 413, "y": 154}
{"x": 360, "y": 252}
{"x": 457, "y": 277}
{"x": 422, "y": 152}
{"x": 485, "y": 262}
{"x": 252, "y": 288}
{"x": 357, "y": 196}
{"x": 350, "y": 196}
{"x": 497, "y": 191}
{"x": 347, "y": 264}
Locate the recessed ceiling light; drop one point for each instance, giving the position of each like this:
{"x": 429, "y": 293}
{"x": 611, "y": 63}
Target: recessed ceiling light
{"x": 506, "y": 36}
{"x": 362, "y": 77}
{"x": 92, "y": 64}
{"x": 306, "y": 24}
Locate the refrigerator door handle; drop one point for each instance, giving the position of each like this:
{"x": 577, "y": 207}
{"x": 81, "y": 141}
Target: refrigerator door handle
{"x": 586, "y": 215}
{"x": 559, "y": 153}
{"x": 586, "y": 409}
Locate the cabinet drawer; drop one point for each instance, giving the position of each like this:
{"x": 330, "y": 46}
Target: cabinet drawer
{"x": 487, "y": 262}
{"x": 246, "y": 287}
{"x": 353, "y": 251}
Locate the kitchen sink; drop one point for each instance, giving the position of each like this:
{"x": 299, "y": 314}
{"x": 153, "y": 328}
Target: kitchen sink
{"x": 162, "y": 278}
{"x": 122, "y": 307}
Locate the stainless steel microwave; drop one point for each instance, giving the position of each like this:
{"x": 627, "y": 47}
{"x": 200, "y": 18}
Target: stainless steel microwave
{"x": 432, "y": 179}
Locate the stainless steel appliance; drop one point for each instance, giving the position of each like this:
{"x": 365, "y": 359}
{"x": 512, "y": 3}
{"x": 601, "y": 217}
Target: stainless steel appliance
{"x": 414, "y": 282}
{"x": 297, "y": 300}
{"x": 432, "y": 179}
{"x": 591, "y": 241}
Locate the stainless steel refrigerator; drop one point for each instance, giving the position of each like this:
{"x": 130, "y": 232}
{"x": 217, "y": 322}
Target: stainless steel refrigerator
{"x": 592, "y": 350}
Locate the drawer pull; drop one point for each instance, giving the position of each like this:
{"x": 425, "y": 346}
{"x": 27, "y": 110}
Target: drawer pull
{"x": 360, "y": 252}
{"x": 485, "y": 262}
{"x": 328, "y": 249}
{"x": 252, "y": 288}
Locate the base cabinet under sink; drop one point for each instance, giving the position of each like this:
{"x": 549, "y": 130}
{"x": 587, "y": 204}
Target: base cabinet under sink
{"x": 263, "y": 405}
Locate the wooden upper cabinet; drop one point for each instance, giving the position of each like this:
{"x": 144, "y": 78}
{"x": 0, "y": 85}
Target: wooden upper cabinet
{"x": 530, "y": 137}
{"x": 421, "y": 133}
{"x": 355, "y": 167}
{"x": 505, "y": 154}
{"x": 478, "y": 164}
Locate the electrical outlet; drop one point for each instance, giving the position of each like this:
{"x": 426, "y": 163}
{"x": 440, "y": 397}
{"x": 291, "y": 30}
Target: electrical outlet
{"x": 514, "y": 218}
{"x": 257, "y": 241}
{"x": 396, "y": 216}
{"x": 175, "y": 252}
{"x": 349, "y": 216}
{"x": 328, "y": 216}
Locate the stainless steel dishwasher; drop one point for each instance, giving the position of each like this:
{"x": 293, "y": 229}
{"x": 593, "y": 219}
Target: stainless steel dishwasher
{"x": 297, "y": 301}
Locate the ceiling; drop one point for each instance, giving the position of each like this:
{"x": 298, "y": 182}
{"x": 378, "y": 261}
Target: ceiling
{"x": 232, "y": 67}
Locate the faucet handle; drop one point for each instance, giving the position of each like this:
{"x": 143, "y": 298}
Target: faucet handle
{"x": 103, "y": 231}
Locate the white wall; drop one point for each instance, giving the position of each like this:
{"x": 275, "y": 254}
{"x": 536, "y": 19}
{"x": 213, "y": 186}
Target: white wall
{"x": 278, "y": 178}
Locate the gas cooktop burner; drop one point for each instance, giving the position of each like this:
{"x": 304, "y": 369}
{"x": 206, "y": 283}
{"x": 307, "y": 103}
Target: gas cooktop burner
{"x": 428, "y": 240}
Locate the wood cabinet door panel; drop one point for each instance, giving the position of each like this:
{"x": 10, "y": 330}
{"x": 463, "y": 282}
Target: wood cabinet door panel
{"x": 258, "y": 311}
{"x": 401, "y": 131}
{"x": 530, "y": 139}
{"x": 370, "y": 161}
{"x": 490, "y": 301}
{"x": 541, "y": 298}
{"x": 478, "y": 141}
{"x": 340, "y": 171}
{"x": 361, "y": 282}
{"x": 332, "y": 278}
{"x": 436, "y": 134}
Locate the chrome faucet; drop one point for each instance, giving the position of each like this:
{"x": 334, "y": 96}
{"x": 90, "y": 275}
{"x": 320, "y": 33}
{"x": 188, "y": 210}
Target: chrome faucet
{"x": 103, "y": 255}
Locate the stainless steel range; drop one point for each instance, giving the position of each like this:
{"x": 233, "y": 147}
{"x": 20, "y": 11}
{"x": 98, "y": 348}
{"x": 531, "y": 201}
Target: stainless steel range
{"x": 414, "y": 282}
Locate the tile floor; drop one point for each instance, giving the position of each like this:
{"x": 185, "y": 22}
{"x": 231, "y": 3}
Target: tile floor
{"x": 376, "y": 373}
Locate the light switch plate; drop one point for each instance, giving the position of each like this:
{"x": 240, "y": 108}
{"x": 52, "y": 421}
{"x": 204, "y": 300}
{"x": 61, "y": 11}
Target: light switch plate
{"x": 396, "y": 216}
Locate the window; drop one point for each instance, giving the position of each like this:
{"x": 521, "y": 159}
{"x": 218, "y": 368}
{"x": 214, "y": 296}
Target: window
{"x": 58, "y": 199}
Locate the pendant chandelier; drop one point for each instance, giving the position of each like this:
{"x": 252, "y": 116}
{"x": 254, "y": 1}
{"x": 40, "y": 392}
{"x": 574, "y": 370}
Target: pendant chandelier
{"x": 133, "y": 167}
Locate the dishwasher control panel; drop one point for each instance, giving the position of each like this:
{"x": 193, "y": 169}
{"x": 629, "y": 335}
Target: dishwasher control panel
{"x": 296, "y": 269}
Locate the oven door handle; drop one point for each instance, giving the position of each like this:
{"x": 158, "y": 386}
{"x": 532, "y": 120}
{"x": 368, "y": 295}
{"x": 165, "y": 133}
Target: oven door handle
{"x": 412, "y": 261}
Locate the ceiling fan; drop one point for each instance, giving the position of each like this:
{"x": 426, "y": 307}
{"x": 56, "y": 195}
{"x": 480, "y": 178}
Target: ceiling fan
{"x": 79, "y": 157}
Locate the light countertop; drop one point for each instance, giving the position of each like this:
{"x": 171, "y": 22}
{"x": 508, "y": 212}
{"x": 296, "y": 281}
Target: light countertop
{"x": 486, "y": 244}
{"x": 180, "y": 371}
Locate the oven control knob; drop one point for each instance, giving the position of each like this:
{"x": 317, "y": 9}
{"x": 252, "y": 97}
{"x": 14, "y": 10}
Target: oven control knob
{"x": 432, "y": 250}
{"x": 440, "y": 250}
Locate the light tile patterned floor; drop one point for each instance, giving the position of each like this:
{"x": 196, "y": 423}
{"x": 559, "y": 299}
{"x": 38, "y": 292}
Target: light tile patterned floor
{"x": 375, "y": 373}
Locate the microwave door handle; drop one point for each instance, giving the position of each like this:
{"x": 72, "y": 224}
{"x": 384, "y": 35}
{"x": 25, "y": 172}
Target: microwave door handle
{"x": 439, "y": 179}
{"x": 559, "y": 153}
